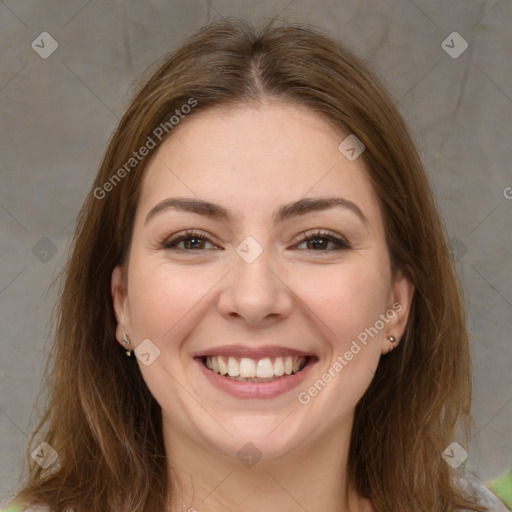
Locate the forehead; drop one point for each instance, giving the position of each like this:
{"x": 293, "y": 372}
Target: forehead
{"x": 256, "y": 156}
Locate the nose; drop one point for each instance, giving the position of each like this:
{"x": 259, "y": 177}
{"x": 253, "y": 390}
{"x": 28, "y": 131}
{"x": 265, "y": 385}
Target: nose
{"x": 256, "y": 292}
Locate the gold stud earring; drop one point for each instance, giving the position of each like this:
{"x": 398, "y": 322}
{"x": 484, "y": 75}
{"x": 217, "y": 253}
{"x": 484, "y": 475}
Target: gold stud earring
{"x": 392, "y": 339}
{"x": 126, "y": 342}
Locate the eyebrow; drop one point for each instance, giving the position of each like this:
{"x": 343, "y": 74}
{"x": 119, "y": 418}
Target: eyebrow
{"x": 217, "y": 212}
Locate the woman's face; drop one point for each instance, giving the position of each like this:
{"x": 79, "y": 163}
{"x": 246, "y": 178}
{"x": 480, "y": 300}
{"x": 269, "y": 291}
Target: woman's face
{"x": 258, "y": 243}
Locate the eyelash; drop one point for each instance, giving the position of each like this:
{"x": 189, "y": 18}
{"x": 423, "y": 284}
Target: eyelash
{"x": 174, "y": 240}
{"x": 321, "y": 234}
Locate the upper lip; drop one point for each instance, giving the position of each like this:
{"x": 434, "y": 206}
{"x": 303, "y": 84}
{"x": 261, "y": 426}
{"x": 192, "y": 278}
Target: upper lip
{"x": 252, "y": 352}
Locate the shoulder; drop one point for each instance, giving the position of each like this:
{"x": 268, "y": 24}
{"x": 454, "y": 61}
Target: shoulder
{"x": 475, "y": 487}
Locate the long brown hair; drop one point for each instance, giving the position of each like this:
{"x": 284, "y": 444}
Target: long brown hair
{"x": 101, "y": 418}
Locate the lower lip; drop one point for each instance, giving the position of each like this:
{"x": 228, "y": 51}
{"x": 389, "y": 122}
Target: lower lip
{"x": 256, "y": 389}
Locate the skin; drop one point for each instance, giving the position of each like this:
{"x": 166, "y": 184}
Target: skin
{"x": 312, "y": 296}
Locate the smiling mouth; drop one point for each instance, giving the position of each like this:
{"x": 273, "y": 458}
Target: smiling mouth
{"x": 245, "y": 369}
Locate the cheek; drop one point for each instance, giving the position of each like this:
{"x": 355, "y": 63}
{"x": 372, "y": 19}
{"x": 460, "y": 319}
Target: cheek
{"x": 346, "y": 298}
{"x": 164, "y": 299}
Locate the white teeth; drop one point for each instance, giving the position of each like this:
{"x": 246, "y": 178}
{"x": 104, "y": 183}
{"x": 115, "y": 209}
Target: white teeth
{"x": 278, "y": 366}
{"x": 265, "y": 369}
{"x": 233, "y": 367}
{"x": 246, "y": 368}
{"x": 223, "y": 367}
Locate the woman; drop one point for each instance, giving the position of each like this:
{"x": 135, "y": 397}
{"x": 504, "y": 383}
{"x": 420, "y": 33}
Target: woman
{"x": 262, "y": 243}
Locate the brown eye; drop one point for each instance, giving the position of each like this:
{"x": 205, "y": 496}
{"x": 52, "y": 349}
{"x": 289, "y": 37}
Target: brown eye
{"x": 192, "y": 241}
{"x": 319, "y": 241}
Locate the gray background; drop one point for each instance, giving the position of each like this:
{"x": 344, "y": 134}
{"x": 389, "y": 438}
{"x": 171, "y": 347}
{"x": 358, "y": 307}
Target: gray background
{"x": 57, "y": 114}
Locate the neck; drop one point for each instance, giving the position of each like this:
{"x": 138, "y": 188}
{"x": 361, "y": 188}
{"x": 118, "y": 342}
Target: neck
{"x": 311, "y": 477}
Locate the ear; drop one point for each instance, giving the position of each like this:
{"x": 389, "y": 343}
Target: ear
{"x": 120, "y": 302}
{"x": 399, "y": 306}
